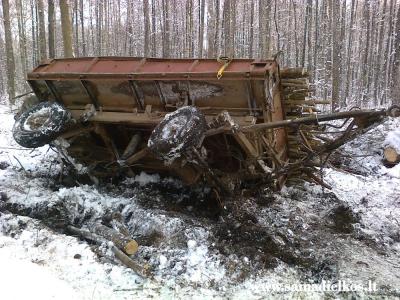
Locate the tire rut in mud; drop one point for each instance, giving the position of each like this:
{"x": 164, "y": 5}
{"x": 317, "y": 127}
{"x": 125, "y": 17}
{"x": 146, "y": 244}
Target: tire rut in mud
{"x": 259, "y": 228}
{"x": 239, "y": 230}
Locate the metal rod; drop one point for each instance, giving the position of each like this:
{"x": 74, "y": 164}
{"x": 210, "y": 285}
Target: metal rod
{"x": 160, "y": 94}
{"x": 136, "y": 95}
{"x": 315, "y": 119}
{"x": 54, "y": 91}
{"x": 90, "y": 94}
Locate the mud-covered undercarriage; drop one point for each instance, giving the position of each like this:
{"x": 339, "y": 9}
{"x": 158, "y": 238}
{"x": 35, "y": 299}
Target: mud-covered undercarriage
{"x": 225, "y": 123}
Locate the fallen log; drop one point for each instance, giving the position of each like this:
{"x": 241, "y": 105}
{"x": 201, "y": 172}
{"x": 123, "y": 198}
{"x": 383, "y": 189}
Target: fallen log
{"x": 121, "y": 256}
{"x": 308, "y": 102}
{"x": 295, "y": 80}
{"x": 126, "y": 244}
{"x": 391, "y": 155}
{"x": 294, "y": 73}
{"x": 296, "y": 96}
{"x": 391, "y": 144}
{"x": 85, "y": 234}
{"x": 127, "y": 261}
{"x": 120, "y": 227}
{"x": 295, "y": 85}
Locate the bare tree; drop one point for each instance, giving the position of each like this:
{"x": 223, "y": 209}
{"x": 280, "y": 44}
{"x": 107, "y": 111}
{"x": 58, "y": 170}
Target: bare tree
{"x": 379, "y": 54}
{"x": 146, "y": 16}
{"x": 51, "y": 28}
{"x": 251, "y": 36}
{"x": 201, "y": 27}
{"x": 263, "y": 25}
{"x": 82, "y": 28}
{"x": 22, "y": 37}
{"x": 166, "y": 30}
{"x": 365, "y": 53}
{"x": 9, "y": 51}
{"x": 395, "y": 82}
{"x": 42, "y": 31}
{"x": 66, "y": 27}
{"x": 335, "y": 19}
{"x": 153, "y": 28}
{"x": 349, "y": 52}
{"x": 306, "y": 32}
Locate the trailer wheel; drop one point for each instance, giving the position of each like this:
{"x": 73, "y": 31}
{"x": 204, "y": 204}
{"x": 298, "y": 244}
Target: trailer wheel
{"x": 394, "y": 111}
{"x": 40, "y": 124}
{"x": 179, "y": 131}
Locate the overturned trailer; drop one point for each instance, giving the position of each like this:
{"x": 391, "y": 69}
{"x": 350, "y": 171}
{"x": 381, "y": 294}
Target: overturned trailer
{"x": 224, "y": 121}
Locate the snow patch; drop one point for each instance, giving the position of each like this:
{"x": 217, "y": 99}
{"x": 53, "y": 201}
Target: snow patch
{"x": 393, "y": 140}
{"x": 143, "y": 179}
{"x": 41, "y": 113}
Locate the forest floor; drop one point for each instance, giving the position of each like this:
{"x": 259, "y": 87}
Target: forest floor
{"x": 263, "y": 245}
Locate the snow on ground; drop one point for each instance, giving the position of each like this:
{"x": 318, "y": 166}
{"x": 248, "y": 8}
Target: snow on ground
{"x": 301, "y": 239}
{"x": 393, "y": 140}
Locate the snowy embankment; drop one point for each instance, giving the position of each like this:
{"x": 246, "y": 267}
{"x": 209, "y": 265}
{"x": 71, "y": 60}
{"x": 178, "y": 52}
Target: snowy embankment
{"x": 301, "y": 235}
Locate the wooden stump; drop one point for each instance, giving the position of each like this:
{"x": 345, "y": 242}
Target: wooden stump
{"x": 126, "y": 244}
{"x": 391, "y": 155}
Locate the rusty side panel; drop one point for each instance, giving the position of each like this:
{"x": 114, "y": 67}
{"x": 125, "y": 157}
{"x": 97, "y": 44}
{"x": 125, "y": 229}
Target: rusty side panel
{"x": 126, "y": 84}
{"x": 139, "y": 91}
{"x": 152, "y": 68}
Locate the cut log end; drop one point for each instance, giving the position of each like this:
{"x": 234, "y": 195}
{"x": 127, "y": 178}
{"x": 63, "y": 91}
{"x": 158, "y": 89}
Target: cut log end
{"x": 131, "y": 247}
{"x": 391, "y": 155}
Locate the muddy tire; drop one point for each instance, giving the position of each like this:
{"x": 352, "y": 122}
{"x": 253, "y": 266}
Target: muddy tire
{"x": 40, "y": 124}
{"x": 394, "y": 111}
{"x": 178, "y": 132}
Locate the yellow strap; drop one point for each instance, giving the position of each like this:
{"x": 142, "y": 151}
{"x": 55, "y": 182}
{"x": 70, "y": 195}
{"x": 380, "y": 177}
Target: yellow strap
{"x": 223, "y": 59}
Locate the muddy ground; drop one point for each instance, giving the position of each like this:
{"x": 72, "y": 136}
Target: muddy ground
{"x": 303, "y": 234}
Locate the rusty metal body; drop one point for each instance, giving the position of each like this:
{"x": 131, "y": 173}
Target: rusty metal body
{"x": 260, "y": 118}
{"x": 133, "y": 95}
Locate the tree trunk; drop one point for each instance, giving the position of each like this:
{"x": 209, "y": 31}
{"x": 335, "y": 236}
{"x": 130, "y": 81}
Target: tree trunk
{"x": 378, "y": 62}
{"x": 251, "y": 54}
{"x": 153, "y": 28}
{"x": 217, "y": 25}
{"x": 211, "y": 23}
{"x": 9, "y": 52}
{"x": 316, "y": 42}
{"x": 263, "y": 25}
{"x": 365, "y": 55}
{"x": 82, "y": 28}
{"x": 66, "y": 27}
{"x": 335, "y": 26}
{"x": 33, "y": 32}
{"x": 22, "y": 37}
{"x": 336, "y": 54}
{"x": 201, "y": 29}
{"x": 50, "y": 21}
{"x": 166, "y": 31}
{"x": 227, "y": 29}
{"x": 146, "y": 15}
{"x": 278, "y": 36}
{"x": 395, "y": 79}
{"x": 75, "y": 26}
{"x": 305, "y": 33}
{"x": 295, "y": 33}
{"x": 349, "y": 52}
{"x": 386, "y": 66}
{"x": 327, "y": 45}
{"x": 42, "y": 31}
